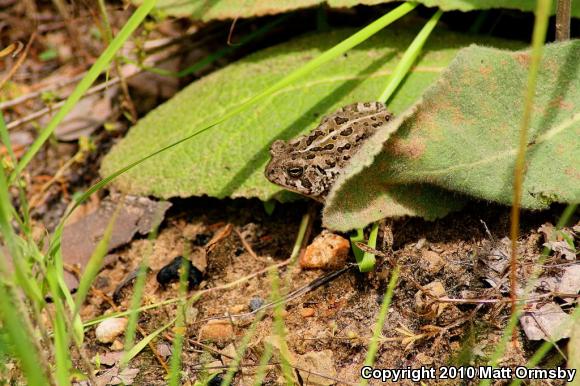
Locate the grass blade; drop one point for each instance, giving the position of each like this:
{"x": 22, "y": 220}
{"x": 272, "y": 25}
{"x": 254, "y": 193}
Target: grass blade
{"x": 241, "y": 349}
{"x": 134, "y": 310}
{"x": 12, "y": 321}
{"x": 212, "y": 57}
{"x": 138, "y": 295}
{"x": 144, "y": 342}
{"x": 409, "y": 57}
{"x": 5, "y": 138}
{"x": 20, "y": 338}
{"x": 538, "y": 40}
{"x": 366, "y": 261}
{"x": 263, "y": 365}
{"x": 378, "y": 327}
{"x": 61, "y": 338}
{"x": 279, "y": 329}
{"x": 180, "y": 327}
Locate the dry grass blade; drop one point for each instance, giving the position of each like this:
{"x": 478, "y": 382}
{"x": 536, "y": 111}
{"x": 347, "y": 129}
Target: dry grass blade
{"x": 18, "y": 63}
{"x": 538, "y": 39}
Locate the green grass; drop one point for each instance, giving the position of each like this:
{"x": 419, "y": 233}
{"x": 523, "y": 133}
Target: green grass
{"x": 366, "y": 261}
{"x": 22, "y": 330}
{"x": 373, "y": 347}
{"x": 180, "y": 326}
{"x": 16, "y": 322}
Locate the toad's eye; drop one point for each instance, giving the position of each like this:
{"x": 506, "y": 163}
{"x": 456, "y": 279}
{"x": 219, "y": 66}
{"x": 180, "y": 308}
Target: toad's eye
{"x": 295, "y": 171}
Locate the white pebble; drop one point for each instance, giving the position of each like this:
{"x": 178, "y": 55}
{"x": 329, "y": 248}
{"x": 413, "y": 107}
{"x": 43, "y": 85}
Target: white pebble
{"x": 109, "y": 329}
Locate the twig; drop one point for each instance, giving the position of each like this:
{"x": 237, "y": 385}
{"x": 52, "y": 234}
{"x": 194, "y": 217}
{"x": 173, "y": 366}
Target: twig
{"x": 549, "y": 337}
{"x": 324, "y": 279}
{"x": 246, "y": 245}
{"x": 128, "y": 71}
{"x": 563, "y": 20}
{"x": 231, "y": 33}
{"x": 206, "y": 347}
{"x": 108, "y": 37}
{"x": 13, "y": 49}
{"x": 36, "y": 198}
{"x": 152, "y": 45}
{"x": 18, "y": 62}
{"x": 71, "y": 26}
{"x": 529, "y": 300}
{"x": 36, "y": 94}
{"x": 37, "y": 114}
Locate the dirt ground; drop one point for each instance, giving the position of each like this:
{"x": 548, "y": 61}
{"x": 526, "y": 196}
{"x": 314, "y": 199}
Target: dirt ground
{"x": 337, "y": 319}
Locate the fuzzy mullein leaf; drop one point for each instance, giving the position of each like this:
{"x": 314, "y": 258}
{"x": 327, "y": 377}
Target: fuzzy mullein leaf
{"x": 232, "y": 9}
{"x": 462, "y": 136}
{"x": 229, "y": 159}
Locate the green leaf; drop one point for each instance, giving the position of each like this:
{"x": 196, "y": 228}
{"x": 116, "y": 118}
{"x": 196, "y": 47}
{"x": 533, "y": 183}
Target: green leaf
{"x": 229, "y": 159}
{"x": 231, "y": 9}
{"x": 463, "y": 137}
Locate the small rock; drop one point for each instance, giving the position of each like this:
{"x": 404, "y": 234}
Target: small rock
{"x": 228, "y": 353}
{"x": 216, "y": 380}
{"x": 217, "y": 330}
{"x": 117, "y": 345}
{"x": 351, "y": 334}
{"x": 313, "y": 363}
{"x": 426, "y": 303}
{"x": 548, "y": 323}
{"x": 109, "y": 329}
{"x": 424, "y": 359}
{"x": 569, "y": 283}
{"x": 256, "y": 303}
{"x": 237, "y": 309}
{"x": 307, "y": 312}
{"x": 279, "y": 349}
{"x": 108, "y": 358}
{"x": 455, "y": 346}
{"x": 251, "y": 233}
{"x": 421, "y": 243}
{"x": 562, "y": 249}
{"x": 327, "y": 251}
{"x": 431, "y": 261}
{"x": 164, "y": 350}
{"x": 116, "y": 376}
{"x": 191, "y": 314}
{"x": 170, "y": 273}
